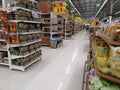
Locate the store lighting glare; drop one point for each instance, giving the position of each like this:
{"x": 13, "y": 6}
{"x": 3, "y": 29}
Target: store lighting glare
{"x": 101, "y": 8}
{"x": 74, "y": 7}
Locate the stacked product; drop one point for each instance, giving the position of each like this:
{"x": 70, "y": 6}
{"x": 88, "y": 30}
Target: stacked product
{"x": 45, "y": 6}
{"x": 68, "y": 33}
{"x": 46, "y": 36}
{"x": 93, "y": 81}
{"x": 22, "y": 34}
{"x": 105, "y": 48}
{"x": 3, "y": 44}
{"x": 78, "y": 27}
{"x": 64, "y": 27}
{"x": 22, "y": 14}
{"x": 46, "y": 29}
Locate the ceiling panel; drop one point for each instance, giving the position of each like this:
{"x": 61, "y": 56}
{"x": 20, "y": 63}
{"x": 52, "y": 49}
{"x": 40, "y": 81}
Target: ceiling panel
{"x": 87, "y": 7}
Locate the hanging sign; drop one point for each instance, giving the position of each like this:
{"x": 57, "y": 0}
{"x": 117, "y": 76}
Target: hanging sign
{"x": 59, "y": 7}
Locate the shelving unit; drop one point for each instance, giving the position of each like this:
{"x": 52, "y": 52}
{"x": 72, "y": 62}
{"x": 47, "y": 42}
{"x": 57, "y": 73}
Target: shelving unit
{"x": 56, "y": 30}
{"x": 46, "y": 29}
{"x": 107, "y": 39}
{"x": 68, "y": 31}
{"x": 3, "y": 45}
{"x": 78, "y": 27}
{"x": 22, "y": 35}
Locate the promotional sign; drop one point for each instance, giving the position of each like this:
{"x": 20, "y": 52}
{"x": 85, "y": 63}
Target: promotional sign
{"x": 59, "y": 7}
{"x": 79, "y": 20}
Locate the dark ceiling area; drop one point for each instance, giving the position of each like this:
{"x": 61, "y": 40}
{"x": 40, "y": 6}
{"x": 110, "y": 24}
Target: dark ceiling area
{"x": 89, "y": 8}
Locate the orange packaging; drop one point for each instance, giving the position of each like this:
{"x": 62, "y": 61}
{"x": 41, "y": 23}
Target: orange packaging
{"x": 14, "y": 39}
{"x": 12, "y": 27}
{"x": 7, "y": 38}
{"x": 3, "y": 15}
{"x": 5, "y": 26}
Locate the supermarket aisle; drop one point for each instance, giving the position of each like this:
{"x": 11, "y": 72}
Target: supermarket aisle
{"x": 60, "y": 69}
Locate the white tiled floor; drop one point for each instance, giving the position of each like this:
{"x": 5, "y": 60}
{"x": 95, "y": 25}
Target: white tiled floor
{"x": 59, "y": 69}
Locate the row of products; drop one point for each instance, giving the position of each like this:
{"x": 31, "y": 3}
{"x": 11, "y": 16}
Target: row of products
{"x": 45, "y": 20}
{"x": 25, "y": 49}
{"x": 68, "y": 30}
{"x": 26, "y": 4}
{"x": 46, "y": 35}
{"x": 3, "y": 57}
{"x": 54, "y": 21}
{"x": 46, "y": 41}
{"x": 22, "y": 39}
{"x": 113, "y": 32}
{"x": 108, "y": 57}
{"x": 46, "y": 29}
{"x": 20, "y": 27}
{"x": 57, "y": 36}
{"x": 26, "y": 60}
{"x": 20, "y": 14}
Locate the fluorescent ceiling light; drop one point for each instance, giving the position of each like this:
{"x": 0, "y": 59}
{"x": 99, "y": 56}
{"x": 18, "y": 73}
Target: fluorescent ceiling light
{"x": 74, "y": 7}
{"x": 101, "y": 7}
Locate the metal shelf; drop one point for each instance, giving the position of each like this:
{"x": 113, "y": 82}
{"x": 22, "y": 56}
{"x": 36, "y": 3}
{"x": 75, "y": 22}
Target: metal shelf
{"x": 22, "y": 68}
{"x": 6, "y": 64}
{"x": 26, "y": 33}
{"x": 35, "y": 32}
{"x": 3, "y": 49}
{"x": 2, "y": 40}
{"x": 46, "y": 32}
{"x": 46, "y": 37}
{"x": 1, "y": 31}
{"x": 21, "y": 56}
{"x": 17, "y": 45}
{"x": 45, "y": 22}
{"x": 15, "y": 8}
{"x": 58, "y": 38}
{"x": 26, "y": 21}
{"x": 56, "y": 33}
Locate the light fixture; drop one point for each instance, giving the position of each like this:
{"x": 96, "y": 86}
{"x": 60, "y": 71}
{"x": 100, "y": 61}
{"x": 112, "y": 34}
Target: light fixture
{"x": 101, "y": 8}
{"x": 74, "y": 7}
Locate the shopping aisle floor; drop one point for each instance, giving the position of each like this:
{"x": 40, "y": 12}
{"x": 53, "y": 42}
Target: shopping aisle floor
{"x": 59, "y": 69}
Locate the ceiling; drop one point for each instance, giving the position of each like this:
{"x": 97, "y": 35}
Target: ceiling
{"x": 88, "y": 8}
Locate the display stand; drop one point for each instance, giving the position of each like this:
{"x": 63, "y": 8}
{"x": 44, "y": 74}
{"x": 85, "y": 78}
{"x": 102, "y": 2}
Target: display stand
{"x": 56, "y": 30}
{"x": 23, "y": 37}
